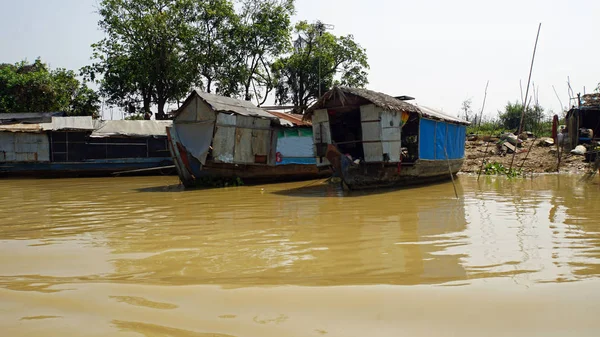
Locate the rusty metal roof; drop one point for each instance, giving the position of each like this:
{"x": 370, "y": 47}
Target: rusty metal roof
{"x": 22, "y": 127}
{"x": 290, "y": 119}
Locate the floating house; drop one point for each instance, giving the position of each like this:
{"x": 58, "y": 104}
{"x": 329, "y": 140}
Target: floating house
{"x": 295, "y": 144}
{"x": 371, "y": 139}
{"x": 583, "y": 121}
{"x": 80, "y": 146}
{"x": 221, "y": 137}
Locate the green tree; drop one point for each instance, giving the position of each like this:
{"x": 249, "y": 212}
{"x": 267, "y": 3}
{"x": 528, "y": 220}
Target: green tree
{"x": 34, "y": 87}
{"x": 338, "y": 59}
{"x": 262, "y": 34}
{"x": 213, "y": 27}
{"x": 142, "y": 59}
{"x": 511, "y": 117}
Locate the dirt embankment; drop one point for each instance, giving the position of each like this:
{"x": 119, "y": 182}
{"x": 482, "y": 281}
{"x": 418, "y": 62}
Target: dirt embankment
{"x": 541, "y": 158}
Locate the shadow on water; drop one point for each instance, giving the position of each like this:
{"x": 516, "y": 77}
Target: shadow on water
{"x": 162, "y": 189}
{"x": 326, "y": 189}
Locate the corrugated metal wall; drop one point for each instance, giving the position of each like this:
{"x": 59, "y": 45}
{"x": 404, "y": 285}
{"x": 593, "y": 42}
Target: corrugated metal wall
{"x": 24, "y": 147}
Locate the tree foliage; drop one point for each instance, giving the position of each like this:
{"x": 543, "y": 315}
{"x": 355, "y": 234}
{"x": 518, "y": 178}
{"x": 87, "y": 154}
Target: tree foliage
{"x": 34, "y": 87}
{"x": 263, "y": 34}
{"x": 155, "y": 51}
{"x": 511, "y": 117}
{"x": 338, "y": 59}
{"x": 142, "y": 59}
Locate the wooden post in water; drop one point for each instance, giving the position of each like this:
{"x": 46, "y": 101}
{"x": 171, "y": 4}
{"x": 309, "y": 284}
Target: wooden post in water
{"x": 450, "y": 170}
{"x": 526, "y": 93}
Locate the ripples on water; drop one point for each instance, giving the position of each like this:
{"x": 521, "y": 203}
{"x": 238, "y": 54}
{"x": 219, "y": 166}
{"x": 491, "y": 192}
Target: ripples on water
{"x": 149, "y": 231}
{"x": 140, "y": 256}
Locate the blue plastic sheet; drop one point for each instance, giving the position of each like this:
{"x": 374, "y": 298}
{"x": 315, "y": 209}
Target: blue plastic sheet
{"x": 427, "y": 139}
{"x": 439, "y": 138}
{"x": 453, "y": 142}
{"x": 441, "y": 145}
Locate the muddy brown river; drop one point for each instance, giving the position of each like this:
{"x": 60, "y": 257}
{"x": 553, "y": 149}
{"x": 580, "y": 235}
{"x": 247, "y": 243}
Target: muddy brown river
{"x": 141, "y": 257}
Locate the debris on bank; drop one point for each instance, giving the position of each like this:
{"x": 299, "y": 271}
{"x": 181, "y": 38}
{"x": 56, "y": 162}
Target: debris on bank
{"x": 533, "y": 155}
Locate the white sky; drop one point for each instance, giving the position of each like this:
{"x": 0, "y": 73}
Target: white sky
{"x": 441, "y": 52}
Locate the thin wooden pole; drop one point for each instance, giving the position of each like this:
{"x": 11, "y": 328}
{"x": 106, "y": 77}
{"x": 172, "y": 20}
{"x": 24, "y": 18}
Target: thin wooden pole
{"x": 483, "y": 106}
{"x": 450, "y": 170}
{"x": 484, "y": 156}
{"x": 526, "y": 92}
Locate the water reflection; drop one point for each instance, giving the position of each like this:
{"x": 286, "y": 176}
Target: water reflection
{"x": 125, "y": 230}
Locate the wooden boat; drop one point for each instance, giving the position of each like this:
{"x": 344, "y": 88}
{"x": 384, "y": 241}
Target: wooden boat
{"x": 371, "y": 139}
{"x": 216, "y": 137}
{"x": 46, "y": 145}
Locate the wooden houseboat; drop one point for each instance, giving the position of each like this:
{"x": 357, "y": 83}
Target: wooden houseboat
{"x": 371, "y": 139}
{"x": 221, "y": 137}
{"x": 44, "y": 145}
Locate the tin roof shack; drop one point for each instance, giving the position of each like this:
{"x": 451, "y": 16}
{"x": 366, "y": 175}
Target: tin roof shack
{"x": 221, "y": 136}
{"x": 144, "y": 140}
{"x": 372, "y": 139}
{"x": 77, "y": 146}
{"x": 582, "y": 119}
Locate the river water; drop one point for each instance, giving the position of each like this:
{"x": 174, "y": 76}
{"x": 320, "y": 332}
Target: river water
{"x": 141, "y": 257}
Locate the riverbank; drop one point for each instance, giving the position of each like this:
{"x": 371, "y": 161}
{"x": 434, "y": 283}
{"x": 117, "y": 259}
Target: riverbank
{"x": 540, "y": 159}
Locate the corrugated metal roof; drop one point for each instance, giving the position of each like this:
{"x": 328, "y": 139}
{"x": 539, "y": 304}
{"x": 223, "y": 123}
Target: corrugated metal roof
{"x": 21, "y": 127}
{"x": 290, "y": 119}
{"x": 29, "y": 117}
{"x": 70, "y": 123}
{"x": 227, "y": 104}
{"x": 435, "y": 114}
{"x": 141, "y": 128}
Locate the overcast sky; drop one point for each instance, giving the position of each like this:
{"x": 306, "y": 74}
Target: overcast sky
{"x": 441, "y": 52}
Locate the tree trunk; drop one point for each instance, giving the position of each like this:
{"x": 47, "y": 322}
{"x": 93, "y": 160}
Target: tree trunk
{"x": 208, "y": 84}
{"x": 161, "y": 115}
{"x": 147, "y": 99}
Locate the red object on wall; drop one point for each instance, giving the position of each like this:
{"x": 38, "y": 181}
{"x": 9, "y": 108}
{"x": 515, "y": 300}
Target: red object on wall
{"x": 278, "y": 157}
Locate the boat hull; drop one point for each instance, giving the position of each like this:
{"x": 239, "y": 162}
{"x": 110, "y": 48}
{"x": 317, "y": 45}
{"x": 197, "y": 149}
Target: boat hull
{"x": 84, "y": 168}
{"x": 375, "y": 175}
{"x": 192, "y": 173}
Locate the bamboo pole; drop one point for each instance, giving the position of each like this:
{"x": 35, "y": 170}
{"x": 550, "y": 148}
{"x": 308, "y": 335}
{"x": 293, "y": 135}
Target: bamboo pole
{"x": 450, "y": 170}
{"x": 526, "y": 92}
{"x": 483, "y": 106}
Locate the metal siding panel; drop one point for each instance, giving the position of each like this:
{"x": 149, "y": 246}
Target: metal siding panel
{"x": 373, "y": 152}
{"x": 370, "y": 117}
{"x": 260, "y": 142}
{"x": 243, "y": 140}
{"x": 426, "y": 139}
{"x": 261, "y": 137}
{"x": 196, "y": 138}
{"x": 391, "y": 134}
{"x": 224, "y": 141}
{"x": 189, "y": 112}
{"x": 320, "y": 115}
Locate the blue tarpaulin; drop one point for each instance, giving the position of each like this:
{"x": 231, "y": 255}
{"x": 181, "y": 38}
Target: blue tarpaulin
{"x": 440, "y": 140}
{"x": 427, "y": 139}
